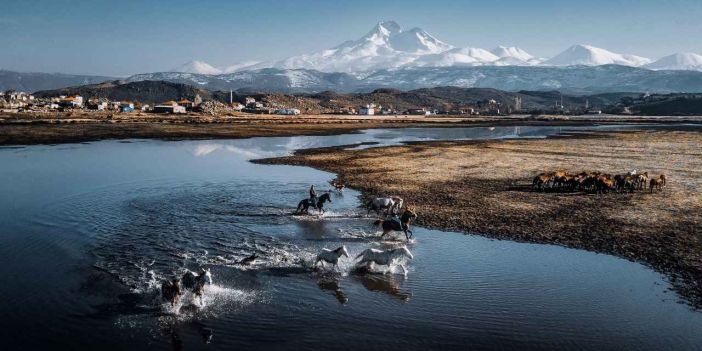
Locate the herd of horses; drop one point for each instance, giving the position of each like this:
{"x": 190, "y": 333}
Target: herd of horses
{"x": 398, "y": 218}
{"x": 598, "y": 182}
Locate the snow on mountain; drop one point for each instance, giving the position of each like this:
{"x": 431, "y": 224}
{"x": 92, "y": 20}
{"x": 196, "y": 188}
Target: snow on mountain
{"x": 385, "y": 46}
{"x": 592, "y": 56}
{"x": 512, "y": 51}
{"x": 197, "y": 67}
{"x": 680, "y": 61}
{"x": 456, "y": 57}
{"x": 246, "y": 65}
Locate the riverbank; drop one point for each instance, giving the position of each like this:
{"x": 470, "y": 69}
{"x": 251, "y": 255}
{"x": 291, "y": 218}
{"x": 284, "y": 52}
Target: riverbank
{"x": 484, "y": 187}
{"x": 27, "y": 129}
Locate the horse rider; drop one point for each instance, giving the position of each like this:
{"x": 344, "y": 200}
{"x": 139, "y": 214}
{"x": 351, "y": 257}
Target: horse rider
{"x": 313, "y": 197}
{"x": 395, "y": 218}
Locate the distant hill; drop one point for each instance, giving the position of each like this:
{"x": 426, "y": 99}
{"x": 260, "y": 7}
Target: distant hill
{"x": 144, "y": 91}
{"x": 672, "y": 105}
{"x": 31, "y": 82}
{"x": 441, "y": 98}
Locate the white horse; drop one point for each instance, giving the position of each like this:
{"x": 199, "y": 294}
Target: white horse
{"x": 383, "y": 258}
{"x": 196, "y": 282}
{"x": 389, "y": 204}
{"x": 331, "y": 256}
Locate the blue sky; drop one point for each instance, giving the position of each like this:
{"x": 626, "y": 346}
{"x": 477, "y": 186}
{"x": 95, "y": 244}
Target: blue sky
{"x": 125, "y": 37}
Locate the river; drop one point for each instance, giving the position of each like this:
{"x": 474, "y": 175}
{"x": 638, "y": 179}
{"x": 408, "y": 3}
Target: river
{"x": 88, "y": 231}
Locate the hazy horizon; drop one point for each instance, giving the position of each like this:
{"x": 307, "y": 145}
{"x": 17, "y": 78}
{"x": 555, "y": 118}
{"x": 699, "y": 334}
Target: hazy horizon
{"x": 119, "y": 39}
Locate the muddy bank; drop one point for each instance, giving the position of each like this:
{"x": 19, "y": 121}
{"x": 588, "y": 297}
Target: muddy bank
{"x": 484, "y": 187}
{"x": 26, "y": 129}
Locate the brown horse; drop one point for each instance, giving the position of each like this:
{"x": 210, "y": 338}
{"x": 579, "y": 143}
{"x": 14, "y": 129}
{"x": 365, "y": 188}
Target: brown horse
{"x": 605, "y": 183}
{"x": 541, "y": 181}
{"x": 339, "y": 186}
{"x": 657, "y": 183}
{"x": 403, "y": 225}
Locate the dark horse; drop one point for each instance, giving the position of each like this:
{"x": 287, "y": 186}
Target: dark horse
{"x": 402, "y": 226}
{"x": 171, "y": 291}
{"x": 304, "y": 205}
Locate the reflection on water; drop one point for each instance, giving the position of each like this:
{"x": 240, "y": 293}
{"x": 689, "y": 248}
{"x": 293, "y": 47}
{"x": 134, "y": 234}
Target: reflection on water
{"x": 94, "y": 228}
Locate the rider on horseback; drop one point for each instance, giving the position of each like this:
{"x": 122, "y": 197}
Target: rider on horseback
{"x": 395, "y": 218}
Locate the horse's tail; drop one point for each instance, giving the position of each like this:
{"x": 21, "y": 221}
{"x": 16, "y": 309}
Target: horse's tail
{"x": 299, "y": 206}
{"x": 378, "y": 222}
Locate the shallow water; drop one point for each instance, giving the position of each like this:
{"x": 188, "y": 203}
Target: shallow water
{"x": 88, "y": 231}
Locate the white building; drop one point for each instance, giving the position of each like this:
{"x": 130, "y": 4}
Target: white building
{"x": 367, "y": 110}
{"x": 72, "y": 101}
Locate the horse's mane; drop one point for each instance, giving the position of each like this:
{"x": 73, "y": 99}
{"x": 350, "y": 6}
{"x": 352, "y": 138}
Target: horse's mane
{"x": 338, "y": 249}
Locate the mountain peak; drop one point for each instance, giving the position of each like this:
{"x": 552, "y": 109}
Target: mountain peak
{"x": 391, "y": 26}
{"x": 384, "y": 29}
{"x": 678, "y": 61}
{"x": 588, "y": 55}
{"x": 197, "y": 67}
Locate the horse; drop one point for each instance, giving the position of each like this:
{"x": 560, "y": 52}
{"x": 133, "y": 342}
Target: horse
{"x": 331, "y": 256}
{"x": 338, "y": 186}
{"x": 389, "y": 204}
{"x": 171, "y": 291}
{"x": 402, "y": 226}
{"x": 196, "y": 282}
{"x": 248, "y": 260}
{"x": 541, "y": 181}
{"x": 399, "y": 202}
{"x": 383, "y": 258}
{"x": 642, "y": 180}
{"x": 657, "y": 183}
{"x": 604, "y": 183}
{"x": 304, "y": 205}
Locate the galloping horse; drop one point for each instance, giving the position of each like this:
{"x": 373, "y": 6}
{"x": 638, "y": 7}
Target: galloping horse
{"x": 171, "y": 291}
{"x": 389, "y": 204}
{"x": 304, "y": 205}
{"x": 196, "y": 282}
{"x": 338, "y": 186}
{"x": 331, "y": 256}
{"x": 383, "y": 258}
{"x": 402, "y": 226}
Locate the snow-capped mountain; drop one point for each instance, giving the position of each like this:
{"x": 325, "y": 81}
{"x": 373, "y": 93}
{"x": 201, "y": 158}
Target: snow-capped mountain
{"x": 592, "y": 56}
{"x": 197, "y": 67}
{"x": 387, "y": 45}
{"x": 513, "y": 56}
{"x": 200, "y": 67}
{"x": 512, "y": 51}
{"x": 680, "y": 61}
{"x": 456, "y": 57}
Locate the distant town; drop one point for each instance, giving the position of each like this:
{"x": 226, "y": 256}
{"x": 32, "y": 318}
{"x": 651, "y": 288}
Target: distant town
{"x": 117, "y": 97}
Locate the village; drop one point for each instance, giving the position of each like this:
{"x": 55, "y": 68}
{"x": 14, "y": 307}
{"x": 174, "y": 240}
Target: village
{"x": 12, "y": 101}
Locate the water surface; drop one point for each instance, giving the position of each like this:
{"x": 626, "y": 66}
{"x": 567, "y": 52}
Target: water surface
{"x": 88, "y": 231}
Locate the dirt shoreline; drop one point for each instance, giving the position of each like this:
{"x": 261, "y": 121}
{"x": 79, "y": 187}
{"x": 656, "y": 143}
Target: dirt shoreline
{"x": 28, "y": 129}
{"x": 487, "y": 184}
